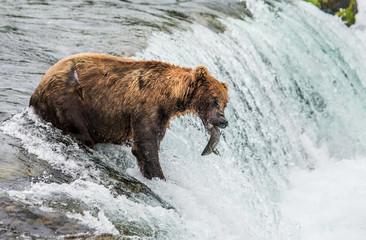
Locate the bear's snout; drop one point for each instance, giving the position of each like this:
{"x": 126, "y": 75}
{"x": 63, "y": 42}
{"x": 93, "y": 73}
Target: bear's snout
{"x": 223, "y": 122}
{"x": 218, "y": 120}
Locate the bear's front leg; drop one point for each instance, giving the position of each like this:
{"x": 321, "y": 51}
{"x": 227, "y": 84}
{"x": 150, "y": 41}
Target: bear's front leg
{"x": 146, "y": 149}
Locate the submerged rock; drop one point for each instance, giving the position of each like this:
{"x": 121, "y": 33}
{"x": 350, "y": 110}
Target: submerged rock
{"x": 20, "y": 220}
{"x": 346, "y": 9}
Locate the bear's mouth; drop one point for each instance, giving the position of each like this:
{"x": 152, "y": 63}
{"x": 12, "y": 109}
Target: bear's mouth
{"x": 215, "y": 134}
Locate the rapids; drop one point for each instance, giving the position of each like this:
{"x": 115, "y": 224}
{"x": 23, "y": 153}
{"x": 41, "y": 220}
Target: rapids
{"x": 292, "y": 161}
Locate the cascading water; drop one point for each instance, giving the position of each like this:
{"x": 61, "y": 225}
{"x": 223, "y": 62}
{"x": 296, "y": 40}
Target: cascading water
{"x": 292, "y": 161}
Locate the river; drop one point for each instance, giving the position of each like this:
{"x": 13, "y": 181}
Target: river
{"x": 292, "y": 162}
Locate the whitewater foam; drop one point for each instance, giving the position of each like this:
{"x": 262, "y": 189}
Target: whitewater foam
{"x": 327, "y": 202}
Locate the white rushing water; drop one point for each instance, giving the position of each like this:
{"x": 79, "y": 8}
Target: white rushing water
{"x": 360, "y": 26}
{"x": 293, "y": 159}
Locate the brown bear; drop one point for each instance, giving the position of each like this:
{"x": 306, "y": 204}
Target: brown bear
{"x": 99, "y": 98}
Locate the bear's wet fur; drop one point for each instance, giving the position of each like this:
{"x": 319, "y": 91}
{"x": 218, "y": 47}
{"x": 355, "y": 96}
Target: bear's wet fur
{"x": 100, "y": 98}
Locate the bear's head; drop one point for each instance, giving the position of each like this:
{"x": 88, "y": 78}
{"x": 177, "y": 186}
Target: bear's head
{"x": 209, "y": 101}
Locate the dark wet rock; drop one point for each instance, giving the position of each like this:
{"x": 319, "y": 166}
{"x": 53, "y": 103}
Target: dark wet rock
{"x": 19, "y": 168}
{"x": 346, "y": 9}
{"x": 20, "y": 220}
{"x": 214, "y": 24}
{"x": 177, "y": 15}
{"x": 96, "y": 237}
{"x": 237, "y": 10}
{"x": 104, "y": 236}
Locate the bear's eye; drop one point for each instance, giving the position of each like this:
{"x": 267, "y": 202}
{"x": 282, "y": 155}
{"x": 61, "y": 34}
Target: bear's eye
{"x": 214, "y": 102}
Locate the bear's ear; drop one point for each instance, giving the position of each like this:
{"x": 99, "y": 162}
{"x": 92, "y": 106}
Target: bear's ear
{"x": 200, "y": 73}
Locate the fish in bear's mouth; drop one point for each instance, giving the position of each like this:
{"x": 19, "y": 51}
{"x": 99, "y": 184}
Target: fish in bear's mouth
{"x": 215, "y": 134}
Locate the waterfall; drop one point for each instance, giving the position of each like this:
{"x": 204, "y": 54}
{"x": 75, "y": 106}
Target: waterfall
{"x": 292, "y": 161}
